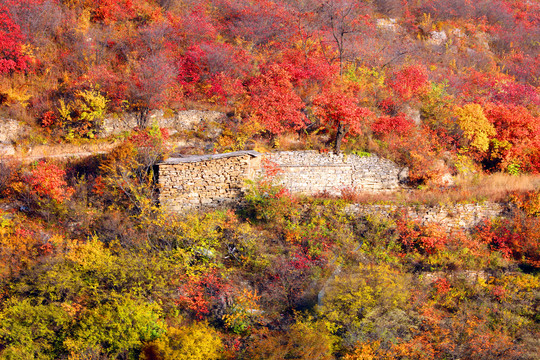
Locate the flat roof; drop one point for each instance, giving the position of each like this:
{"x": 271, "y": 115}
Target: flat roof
{"x": 197, "y": 158}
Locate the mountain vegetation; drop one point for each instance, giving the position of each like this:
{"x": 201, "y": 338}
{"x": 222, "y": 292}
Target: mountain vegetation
{"x": 92, "y": 268}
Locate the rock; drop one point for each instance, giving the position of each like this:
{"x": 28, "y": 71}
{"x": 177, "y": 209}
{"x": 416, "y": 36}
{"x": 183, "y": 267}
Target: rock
{"x": 7, "y": 150}
{"x": 189, "y": 120}
{"x": 437, "y": 38}
{"x": 483, "y": 39}
{"x": 441, "y": 174}
{"x": 413, "y": 114}
{"x": 387, "y": 24}
{"x": 403, "y": 175}
{"x": 446, "y": 180}
{"x": 457, "y": 33}
{"x": 11, "y": 130}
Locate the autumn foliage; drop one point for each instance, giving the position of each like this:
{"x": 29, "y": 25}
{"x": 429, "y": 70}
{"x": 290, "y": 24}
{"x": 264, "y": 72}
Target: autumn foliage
{"x": 11, "y": 44}
{"x": 322, "y": 71}
{"x": 409, "y": 82}
{"x": 47, "y": 180}
{"x": 340, "y": 111}
{"x": 91, "y": 267}
{"x": 275, "y": 104}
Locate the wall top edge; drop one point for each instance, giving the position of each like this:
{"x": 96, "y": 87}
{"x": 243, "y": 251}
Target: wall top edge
{"x": 179, "y": 159}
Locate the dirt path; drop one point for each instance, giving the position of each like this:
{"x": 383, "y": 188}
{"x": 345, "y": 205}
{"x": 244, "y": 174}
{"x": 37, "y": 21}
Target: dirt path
{"x": 59, "y": 151}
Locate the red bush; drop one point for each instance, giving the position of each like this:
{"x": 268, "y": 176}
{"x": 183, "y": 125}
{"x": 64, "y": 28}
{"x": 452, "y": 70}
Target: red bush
{"x": 409, "y": 82}
{"x": 417, "y": 237}
{"x": 274, "y": 103}
{"x": 46, "y": 180}
{"x": 199, "y": 293}
{"x": 516, "y": 238}
{"x": 11, "y": 57}
{"x": 518, "y": 137}
{"x": 399, "y": 124}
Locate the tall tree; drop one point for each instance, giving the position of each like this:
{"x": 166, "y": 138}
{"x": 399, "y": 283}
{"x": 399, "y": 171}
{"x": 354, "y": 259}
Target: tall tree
{"x": 153, "y": 71}
{"x": 344, "y": 22}
{"x": 339, "y": 110}
{"x": 274, "y": 103}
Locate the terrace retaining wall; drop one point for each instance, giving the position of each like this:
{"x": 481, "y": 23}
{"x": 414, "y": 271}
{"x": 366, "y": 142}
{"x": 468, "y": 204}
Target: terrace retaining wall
{"x": 208, "y": 180}
{"x": 450, "y": 217}
{"x": 310, "y": 172}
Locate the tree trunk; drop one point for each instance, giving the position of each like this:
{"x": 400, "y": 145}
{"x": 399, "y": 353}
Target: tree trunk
{"x": 142, "y": 117}
{"x": 341, "y": 132}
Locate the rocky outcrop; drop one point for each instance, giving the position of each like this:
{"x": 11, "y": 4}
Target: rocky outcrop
{"x": 188, "y": 120}
{"x": 11, "y": 130}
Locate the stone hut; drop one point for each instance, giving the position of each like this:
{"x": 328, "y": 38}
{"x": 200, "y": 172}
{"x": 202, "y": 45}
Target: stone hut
{"x": 205, "y": 180}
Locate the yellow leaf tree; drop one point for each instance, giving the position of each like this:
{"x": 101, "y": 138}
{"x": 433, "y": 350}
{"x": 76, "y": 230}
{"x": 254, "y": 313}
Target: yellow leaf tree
{"x": 477, "y": 129}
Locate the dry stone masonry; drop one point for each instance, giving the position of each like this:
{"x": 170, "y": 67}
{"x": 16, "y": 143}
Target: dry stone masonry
{"x": 310, "y": 172}
{"x": 450, "y": 217}
{"x": 207, "y": 180}
{"x": 197, "y": 181}
{"x": 181, "y": 121}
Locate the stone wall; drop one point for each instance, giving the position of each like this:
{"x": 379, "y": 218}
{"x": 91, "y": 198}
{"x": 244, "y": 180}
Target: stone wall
{"x": 196, "y": 181}
{"x": 10, "y": 131}
{"x": 207, "y": 180}
{"x": 183, "y": 120}
{"x": 189, "y": 120}
{"x": 310, "y": 172}
{"x": 451, "y": 216}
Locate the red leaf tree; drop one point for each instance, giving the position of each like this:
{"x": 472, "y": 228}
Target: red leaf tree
{"x": 518, "y": 138}
{"x": 274, "y": 103}
{"x": 339, "y": 110}
{"x": 409, "y": 82}
{"x": 11, "y": 56}
{"x": 344, "y": 22}
{"x": 399, "y": 124}
{"x": 46, "y": 180}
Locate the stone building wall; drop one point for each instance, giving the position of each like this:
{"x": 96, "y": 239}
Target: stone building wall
{"x": 310, "y": 172}
{"x": 208, "y": 180}
{"x": 451, "y": 217}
